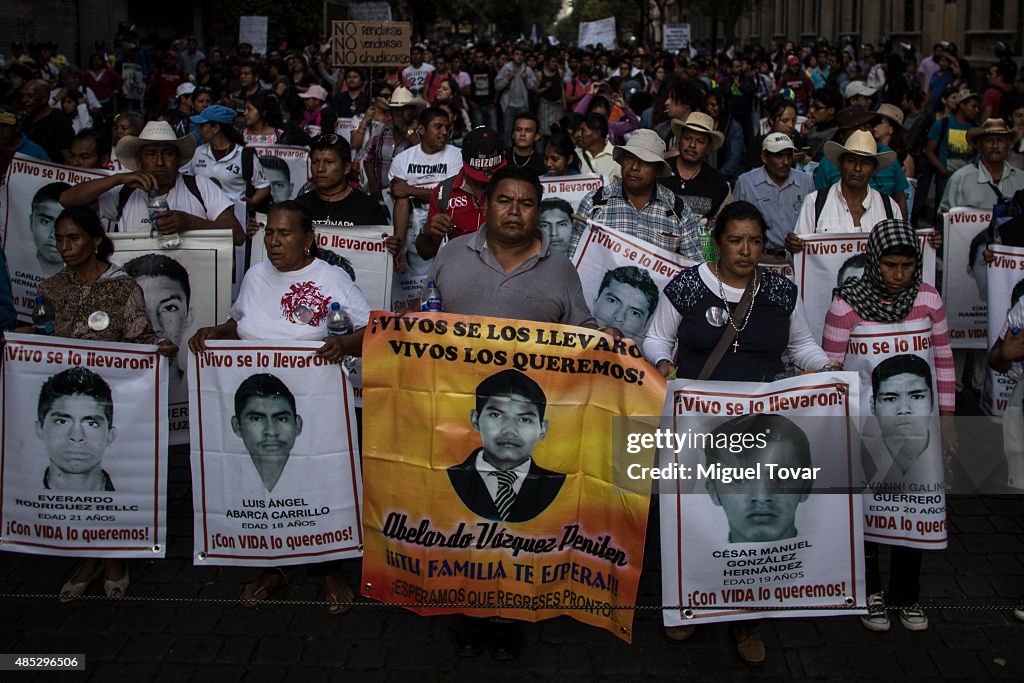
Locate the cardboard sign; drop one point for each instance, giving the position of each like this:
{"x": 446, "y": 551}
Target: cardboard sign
{"x": 370, "y": 43}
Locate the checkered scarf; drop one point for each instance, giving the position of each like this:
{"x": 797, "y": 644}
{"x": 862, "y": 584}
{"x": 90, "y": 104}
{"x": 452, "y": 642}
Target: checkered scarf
{"x": 867, "y": 294}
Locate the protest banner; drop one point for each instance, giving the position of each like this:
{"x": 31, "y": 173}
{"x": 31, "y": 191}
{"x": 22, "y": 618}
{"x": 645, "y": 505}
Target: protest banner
{"x": 370, "y": 43}
{"x": 830, "y": 259}
{"x": 560, "y": 200}
{"x": 369, "y": 11}
{"x": 275, "y": 456}
{"x": 253, "y": 30}
{"x": 594, "y": 33}
{"x": 675, "y": 37}
{"x": 476, "y": 395}
{"x": 759, "y": 515}
{"x": 31, "y": 204}
{"x": 784, "y": 269}
{"x": 1005, "y": 278}
{"x": 186, "y": 288}
{"x": 83, "y": 471}
{"x": 904, "y": 502}
{"x": 134, "y": 85}
{"x": 964, "y": 276}
{"x": 623, "y": 277}
{"x": 286, "y": 168}
{"x": 408, "y": 286}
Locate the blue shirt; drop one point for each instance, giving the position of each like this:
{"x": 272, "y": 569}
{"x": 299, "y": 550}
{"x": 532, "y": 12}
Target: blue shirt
{"x": 780, "y": 206}
{"x": 31, "y": 149}
{"x": 890, "y": 181}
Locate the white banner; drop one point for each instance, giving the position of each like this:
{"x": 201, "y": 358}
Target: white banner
{"x": 369, "y": 11}
{"x": 408, "y": 286}
{"x": 1005, "y": 277}
{"x": 84, "y": 461}
{"x": 31, "y": 203}
{"x": 675, "y": 37}
{"x": 902, "y": 445}
{"x": 286, "y": 168}
{"x": 275, "y": 456}
{"x": 830, "y": 259}
{"x": 600, "y": 32}
{"x": 623, "y": 277}
{"x": 134, "y": 86}
{"x": 186, "y": 288}
{"x": 561, "y": 199}
{"x": 253, "y": 30}
{"x": 964, "y": 277}
{"x": 742, "y": 532}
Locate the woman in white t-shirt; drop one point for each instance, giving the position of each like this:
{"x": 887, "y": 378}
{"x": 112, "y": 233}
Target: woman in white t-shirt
{"x": 288, "y": 297}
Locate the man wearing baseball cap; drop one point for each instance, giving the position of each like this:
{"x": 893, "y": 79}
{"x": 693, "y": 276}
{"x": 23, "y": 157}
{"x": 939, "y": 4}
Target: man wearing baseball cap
{"x": 12, "y": 141}
{"x": 947, "y": 149}
{"x": 458, "y": 205}
{"x": 858, "y": 94}
{"x": 796, "y": 79}
{"x": 318, "y": 117}
{"x": 183, "y": 109}
{"x": 777, "y": 190}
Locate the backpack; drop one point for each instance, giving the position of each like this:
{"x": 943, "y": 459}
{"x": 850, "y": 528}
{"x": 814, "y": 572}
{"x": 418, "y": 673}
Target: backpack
{"x": 1007, "y": 224}
{"x": 677, "y": 207}
{"x": 126, "y": 192}
{"x": 822, "y": 198}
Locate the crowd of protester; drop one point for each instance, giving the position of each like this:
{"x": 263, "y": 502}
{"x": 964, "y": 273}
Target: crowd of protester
{"x": 715, "y": 156}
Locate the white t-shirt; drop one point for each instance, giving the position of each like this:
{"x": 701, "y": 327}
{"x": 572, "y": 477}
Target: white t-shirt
{"x": 294, "y": 305}
{"x": 414, "y": 78}
{"x": 135, "y": 216}
{"x": 225, "y": 172}
{"x": 424, "y": 170}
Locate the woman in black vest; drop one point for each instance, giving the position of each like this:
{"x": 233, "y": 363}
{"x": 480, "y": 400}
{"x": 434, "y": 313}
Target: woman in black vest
{"x": 701, "y": 305}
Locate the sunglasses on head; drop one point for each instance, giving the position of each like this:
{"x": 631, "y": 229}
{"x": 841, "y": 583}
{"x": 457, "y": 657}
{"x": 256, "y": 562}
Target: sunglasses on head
{"x": 325, "y": 139}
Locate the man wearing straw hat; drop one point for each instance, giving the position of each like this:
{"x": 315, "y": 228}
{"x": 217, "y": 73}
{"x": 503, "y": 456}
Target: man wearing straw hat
{"x": 694, "y": 180}
{"x": 392, "y": 139}
{"x": 637, "y": 204}
{"x": 153, "y": 159}
{"x": 850, "y": 205}
{"x": 983, "y": 183}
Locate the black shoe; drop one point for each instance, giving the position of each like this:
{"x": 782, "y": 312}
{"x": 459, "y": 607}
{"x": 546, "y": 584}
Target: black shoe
{"x": 505, "y": 640}
{"x": 470, "y": 636}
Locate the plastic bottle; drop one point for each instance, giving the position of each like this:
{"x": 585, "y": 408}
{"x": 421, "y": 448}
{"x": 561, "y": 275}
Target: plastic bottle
{"x": 158, "y": 205}
{"x": 338, "y": 323}
{"x": 42, "y": 317}
{"x": 432, "y": 299}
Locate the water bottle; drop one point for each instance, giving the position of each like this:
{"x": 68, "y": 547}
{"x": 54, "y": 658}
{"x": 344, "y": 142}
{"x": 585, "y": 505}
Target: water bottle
{"x": 338, "y": 323}
{"x": 158, "y": 205}
{"x": 42, "y": 317}
{"x": 432, "y": 299}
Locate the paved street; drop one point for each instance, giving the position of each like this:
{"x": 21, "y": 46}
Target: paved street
{"x": 177, "y": 629}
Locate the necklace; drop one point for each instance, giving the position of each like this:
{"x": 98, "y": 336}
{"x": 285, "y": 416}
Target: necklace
{"x": 683, "y": 181}
{"x": 325, "y": 195}
{"x": 725, "y": 302}
{"x": 515, "y": 159}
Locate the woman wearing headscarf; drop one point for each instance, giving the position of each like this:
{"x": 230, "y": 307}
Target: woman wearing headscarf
{"x": 891, "y": 291}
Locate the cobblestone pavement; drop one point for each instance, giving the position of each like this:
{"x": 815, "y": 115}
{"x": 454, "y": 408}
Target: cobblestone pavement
{"x": 170, "y": 634}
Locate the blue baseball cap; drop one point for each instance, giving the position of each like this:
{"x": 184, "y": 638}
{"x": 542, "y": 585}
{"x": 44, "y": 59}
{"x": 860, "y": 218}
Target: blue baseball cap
{"x": 215, "y": 113}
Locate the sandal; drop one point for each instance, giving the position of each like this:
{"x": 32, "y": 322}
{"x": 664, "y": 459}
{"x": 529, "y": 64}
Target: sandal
{"x": 263, "y": 587}
{"x": 337, "y": 592}
{"x": 70, "y": 590}
{"x": 117, "y": 589}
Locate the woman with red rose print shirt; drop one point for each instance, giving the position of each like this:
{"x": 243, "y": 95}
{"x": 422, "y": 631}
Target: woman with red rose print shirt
{"x": 288, "y": 297}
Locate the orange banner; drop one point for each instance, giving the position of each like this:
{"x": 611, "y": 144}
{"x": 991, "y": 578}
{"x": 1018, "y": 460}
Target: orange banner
{"x": 488, "y": 468}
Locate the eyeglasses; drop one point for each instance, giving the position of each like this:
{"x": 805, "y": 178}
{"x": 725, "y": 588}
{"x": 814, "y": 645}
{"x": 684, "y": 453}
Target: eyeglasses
{"x": 385, "y": 95}
{"x": 324, "y": 139}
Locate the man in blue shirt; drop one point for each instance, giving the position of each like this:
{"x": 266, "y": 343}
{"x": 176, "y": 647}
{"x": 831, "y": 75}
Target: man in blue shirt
{"x": 776, "y": 189}
{"x": 14, "y": 142}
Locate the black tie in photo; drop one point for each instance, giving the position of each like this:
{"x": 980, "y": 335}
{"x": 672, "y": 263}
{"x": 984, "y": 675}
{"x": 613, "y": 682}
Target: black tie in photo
{"x": 506, "y": 494}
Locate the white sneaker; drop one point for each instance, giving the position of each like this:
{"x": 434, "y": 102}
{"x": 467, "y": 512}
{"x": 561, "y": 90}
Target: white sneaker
{"x": 1018, "y": 614}
{"x": 876, "y": 619}
{"x": 913, "y": 618}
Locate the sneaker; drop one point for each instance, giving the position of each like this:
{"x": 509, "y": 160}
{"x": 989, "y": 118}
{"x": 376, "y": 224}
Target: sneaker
{"x": 913, "y": 618}
{"x": 876, "y": 619}
{"x": 1018, "y": 614}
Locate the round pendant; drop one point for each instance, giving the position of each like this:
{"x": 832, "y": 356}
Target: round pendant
{"x": 99, "y": 321}
{"x": 716, "y": 316}
{"x": 302, "y": 314}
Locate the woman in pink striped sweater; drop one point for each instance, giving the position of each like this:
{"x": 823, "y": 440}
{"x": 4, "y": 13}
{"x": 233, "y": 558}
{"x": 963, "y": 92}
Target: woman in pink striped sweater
{"x": 891, "y": 291}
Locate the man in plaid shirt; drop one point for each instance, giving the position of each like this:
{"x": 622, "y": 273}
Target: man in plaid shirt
{"x": 638, "y": 205}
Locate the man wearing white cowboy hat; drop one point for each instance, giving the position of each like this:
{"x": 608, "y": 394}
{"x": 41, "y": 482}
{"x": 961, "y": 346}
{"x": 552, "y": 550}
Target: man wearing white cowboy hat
{"x": 637, "y": 204}
{"x": 153, "y": 159}
{"x": 850, "y": 205}
{"x": 981, "y": 184}
{"x": 694, "y": 180}
{"x": 391, "y": 139}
